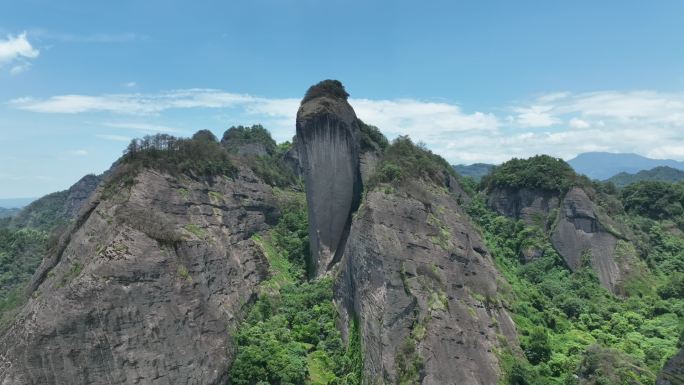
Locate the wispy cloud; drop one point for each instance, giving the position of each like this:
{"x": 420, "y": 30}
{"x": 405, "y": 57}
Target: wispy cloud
{"x": 118, "y": 138}
{"x": 561, "y": 124}
{"x": 17, "y": 51}
{"x": 133, "y": 104}
{"x": 65, "y": 37}
{"x": 77, "y": 153}
{"x": 141, "y": 126}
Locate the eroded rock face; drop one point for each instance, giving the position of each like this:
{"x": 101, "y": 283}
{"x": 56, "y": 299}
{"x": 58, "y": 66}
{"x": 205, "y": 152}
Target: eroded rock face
{"x": 579, "y": 232}
{"x": 531, "y": 205}
{"x": 146, "y": 288}
{"x": 328, "y": 149}
{"x": 673, "y": 372}
{"x": 417, "y": 276}
{"x": 577, "y": 228}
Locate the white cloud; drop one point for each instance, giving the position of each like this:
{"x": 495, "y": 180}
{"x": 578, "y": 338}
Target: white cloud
{"x": 78, "y": 152}
{"x": 118, "y": 138}
{"x": 129, "y": 85}
{"x": 19, "y": 68}
{"x": 132, "y": 104}
{"x": 17, "y": 50}
{"x": 535, "y": 116}
{"x": 64, "y": 37}
{"x": 141, "y": 126}
{"x": 578, "y": 123}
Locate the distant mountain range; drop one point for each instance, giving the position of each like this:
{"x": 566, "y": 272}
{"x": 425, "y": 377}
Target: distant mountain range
{"x": 4, "y": 213}
{"x": 15, "y": 203}
{"x": 661, "y": 173}
{"x": 475, "y": 170}
{"x": 603, "y": 165}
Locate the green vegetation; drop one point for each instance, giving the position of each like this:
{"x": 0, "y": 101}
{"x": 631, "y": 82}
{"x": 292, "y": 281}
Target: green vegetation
{"x": 21, "y": 251}
{"x": 403, "y": 159}
{"x": 264, "y": 157}
{"x": 570, "y": 326}
{"x": 184, "y": 273}
{"x": 195, "y": 230}
{"x": 329, "y": 88}
{"x": 202, "y": 155}
{"x": 541, "y": 172}
{"x": 657, "y": 174}
{"x": 289, "y": 335}
{"x": 371, "y": 138}
{"x": 238, "y": 136}
{"x": 655, "y": 200}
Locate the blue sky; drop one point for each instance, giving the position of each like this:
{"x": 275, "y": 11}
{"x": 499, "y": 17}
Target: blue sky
{"x": 477, "y": 81}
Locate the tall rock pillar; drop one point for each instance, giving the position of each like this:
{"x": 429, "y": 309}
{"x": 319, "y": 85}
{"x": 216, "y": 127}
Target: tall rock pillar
{"x": 328, "y": 146}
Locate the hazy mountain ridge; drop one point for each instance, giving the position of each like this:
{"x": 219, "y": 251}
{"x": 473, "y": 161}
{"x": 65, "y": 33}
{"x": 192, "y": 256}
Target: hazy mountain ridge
{"x": 660, "y": 173}
{"x": 603, "y": 165}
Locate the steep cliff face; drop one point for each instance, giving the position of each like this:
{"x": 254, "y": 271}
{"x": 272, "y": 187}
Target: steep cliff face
{"x": 146, "y": 286}
{"x": 328, "y": 149}
{"x": 579, "y": 233}
{"x": 533, "y": 206}
{"x": 673, "y": 372}
{"x": 417, "y": 278}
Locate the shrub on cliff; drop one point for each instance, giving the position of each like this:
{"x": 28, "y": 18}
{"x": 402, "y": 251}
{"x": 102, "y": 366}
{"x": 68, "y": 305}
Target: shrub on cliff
{"x": 403, "y": 159}
{"x": 238, "y": 136}
{"x": 371, "y": 137}
{"x": 200, "y": 155}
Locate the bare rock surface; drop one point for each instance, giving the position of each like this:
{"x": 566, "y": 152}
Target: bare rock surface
{"x": 146, "y": 287}
{"x": 419, "y": 280}
{"x": 579, "y": 233}
{"x": 531, "y": 205}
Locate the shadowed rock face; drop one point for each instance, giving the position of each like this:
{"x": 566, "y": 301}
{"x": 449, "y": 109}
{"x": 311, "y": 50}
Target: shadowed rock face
{"x": 328, "y": 149}
{"x": 579, "y": 232}
{"x": 531, "y": 205}
{"x": 673, "y": 372}
{"x": 146, "y": 287}
{"x": 420, "y": 282}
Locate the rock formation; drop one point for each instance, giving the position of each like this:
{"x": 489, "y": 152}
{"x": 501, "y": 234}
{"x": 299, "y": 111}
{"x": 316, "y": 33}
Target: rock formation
{"x": 146, "y": 286}
{"x": 419, "y": 281}
{"x": 531, "y": 205}
{"x": 576, "y": 225}
{"x": 579, "y": 232}
{"x": 328, "y": 147}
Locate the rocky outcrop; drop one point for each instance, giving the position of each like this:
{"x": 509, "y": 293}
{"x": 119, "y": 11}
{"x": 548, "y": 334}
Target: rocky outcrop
{"x": 78, "y": 194}
{"x": 533, "y": 206}
{"x": 328, "y": 149}
{"x": 146, "y": 287}
{"x": 673, "y": 372}
{"x": 419, "y": 281}
{"x": 580, "y": 233}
